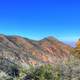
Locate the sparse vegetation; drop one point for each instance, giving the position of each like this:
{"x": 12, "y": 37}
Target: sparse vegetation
{"x": 11, "y": 67}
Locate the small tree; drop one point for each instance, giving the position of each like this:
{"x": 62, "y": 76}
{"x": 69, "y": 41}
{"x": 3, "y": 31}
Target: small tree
{"x": 76, "y": 50}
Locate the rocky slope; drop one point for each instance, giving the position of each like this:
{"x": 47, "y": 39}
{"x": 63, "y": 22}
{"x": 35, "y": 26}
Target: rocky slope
{"x": 25, "y": 51}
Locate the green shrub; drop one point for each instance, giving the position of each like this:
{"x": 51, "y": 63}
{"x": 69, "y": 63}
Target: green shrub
{"x": 41, "y": 73}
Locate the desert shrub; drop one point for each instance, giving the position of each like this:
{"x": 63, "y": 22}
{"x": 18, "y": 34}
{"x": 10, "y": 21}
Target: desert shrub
{"x": 41, "y": 73}
{"x": 13, "y": 71}
{"x": 57, "y": 73}
{"x": 4, "y": 76}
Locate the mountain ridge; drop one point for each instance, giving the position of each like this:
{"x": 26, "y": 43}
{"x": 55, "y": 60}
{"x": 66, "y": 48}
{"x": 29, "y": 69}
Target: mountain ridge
{"x": 28, "y": 51}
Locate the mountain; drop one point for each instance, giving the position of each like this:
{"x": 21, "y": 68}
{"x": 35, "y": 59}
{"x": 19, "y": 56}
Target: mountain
{"x": 71, "y": 43}
{"x": 24, "y": 51}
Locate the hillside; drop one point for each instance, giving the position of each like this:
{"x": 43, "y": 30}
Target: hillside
{"x": 26, "y": 51}
{"x": 18, "y": 54}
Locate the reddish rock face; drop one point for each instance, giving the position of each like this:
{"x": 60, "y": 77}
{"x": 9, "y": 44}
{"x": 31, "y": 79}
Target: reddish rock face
{"x": 21, "y": 42}
{"x": 1, "y": 39}
{"x": 47, "y": 50}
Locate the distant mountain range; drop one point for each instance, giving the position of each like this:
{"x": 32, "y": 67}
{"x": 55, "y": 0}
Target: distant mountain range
{"x": 72, "y": 44}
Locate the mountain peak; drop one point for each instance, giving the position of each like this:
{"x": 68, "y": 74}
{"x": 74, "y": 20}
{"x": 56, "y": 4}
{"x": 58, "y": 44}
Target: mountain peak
{"x": 50, "y": 38}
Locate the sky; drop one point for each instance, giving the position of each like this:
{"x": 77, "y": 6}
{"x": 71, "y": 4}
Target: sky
{"x": 36, "y": 19}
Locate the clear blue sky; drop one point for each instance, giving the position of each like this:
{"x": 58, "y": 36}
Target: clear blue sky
{"x": 36, "y": 19}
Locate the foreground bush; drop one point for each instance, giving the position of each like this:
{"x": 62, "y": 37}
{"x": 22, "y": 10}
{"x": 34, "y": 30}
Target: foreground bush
{"x": 69, "y": 70}
{"x": 41, "y": 73}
